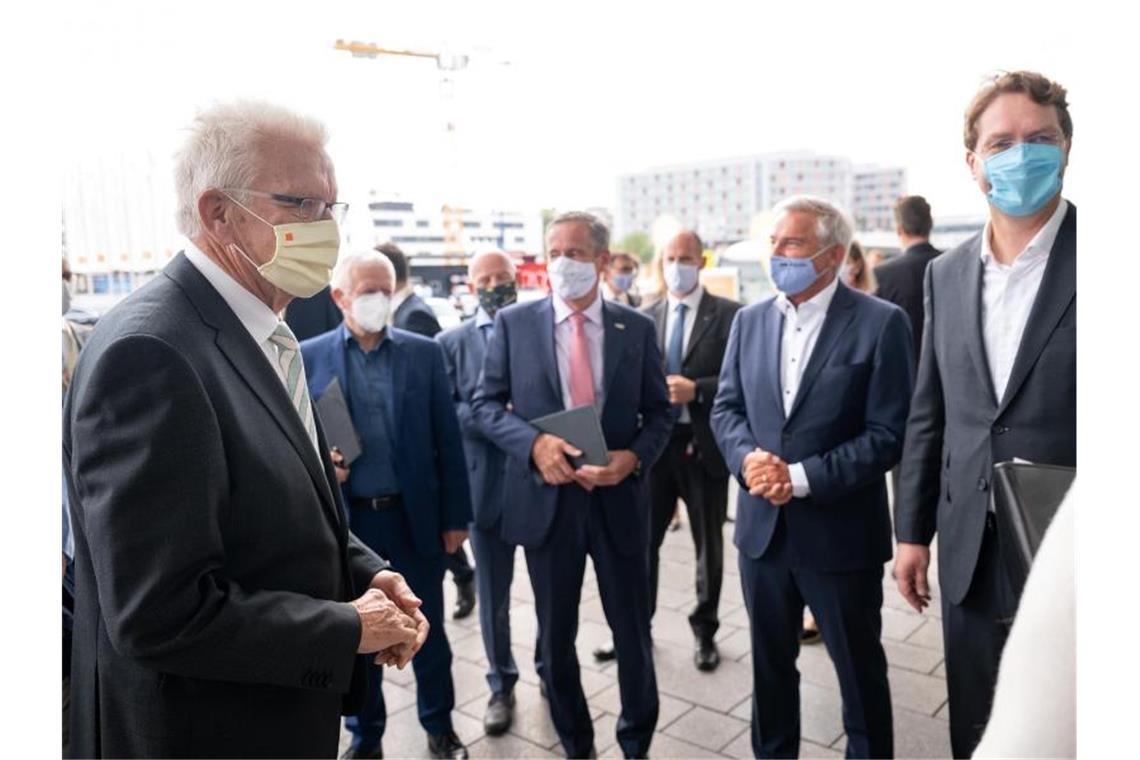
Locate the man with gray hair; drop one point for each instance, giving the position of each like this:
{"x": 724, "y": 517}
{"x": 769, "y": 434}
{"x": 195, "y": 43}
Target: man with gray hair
{"x": 407, "y": 490}
{"x": 809, "y": 415}
{"x": 224, "y": 601}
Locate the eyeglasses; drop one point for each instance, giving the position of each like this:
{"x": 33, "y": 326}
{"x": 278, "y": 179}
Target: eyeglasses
{"x": 307, "y": 209}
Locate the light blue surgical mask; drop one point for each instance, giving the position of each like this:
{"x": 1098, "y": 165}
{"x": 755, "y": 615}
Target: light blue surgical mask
{"x": 793, "y": 276}
{"x": 1024, "y": 178}
{"x": 623, "y": 282}
{"x": 681, "y": 278}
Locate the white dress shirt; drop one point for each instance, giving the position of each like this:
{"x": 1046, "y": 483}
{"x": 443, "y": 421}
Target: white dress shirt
{"x": 1008, "y": 293}
{"x": 251, "y": 311}
{"x": 802, "y": 326}
{"x": 691, "y": 301}
{"x": 595, "y": 337}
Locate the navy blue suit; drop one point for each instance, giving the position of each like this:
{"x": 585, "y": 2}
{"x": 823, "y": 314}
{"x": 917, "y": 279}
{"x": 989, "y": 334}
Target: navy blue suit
{"x": 432, "y": 475}
{"x": 560, "y": 525}
{"x": 846, "y": 427}
{"x": 464, "y": 347}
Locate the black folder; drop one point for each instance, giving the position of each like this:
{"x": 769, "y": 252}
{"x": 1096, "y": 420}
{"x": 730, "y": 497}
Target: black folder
{"x": 1026, "y": 497}
{"x": 582, "y": 429}
{"x": 339, "y": 430}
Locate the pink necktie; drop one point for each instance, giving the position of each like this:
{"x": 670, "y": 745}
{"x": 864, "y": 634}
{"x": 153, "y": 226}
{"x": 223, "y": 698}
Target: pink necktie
{"x": 581, "y": 374}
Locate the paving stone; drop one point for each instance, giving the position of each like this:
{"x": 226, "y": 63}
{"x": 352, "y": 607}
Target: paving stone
{"x": 672, "y": 599}
{"x": 943, "y": 712}
{"x": 719, "y": 690}
{"x": 898, "y": 625}
{"x": 469, "y": 680}
{"x": 737, "y": 616}
{"x": 929, "y": 635}
{"x": 921, "y": 693}
{"x": 708, "y": 729}
{"x": 396, "y": 698}
{"x": 470, "y": 648}
{"x": 920, "y": 735}
{"x": 911, "y": 657}
{"x": 821, "y": 714}
{"x": 736, "y": 645}
{"x": 605, "y": 733}
{"x": 532, "y": 715}
{"x": 507, "y": 746}
{"x": 940, "y": 671}
{"x": 815, "y": 666}
{"x": 666, "y": 746}
{"x": 672, "y": 627}
{"x": 676, "y": 575}
{"x": 813, "y": 750}
{"x": 669, "y": 710}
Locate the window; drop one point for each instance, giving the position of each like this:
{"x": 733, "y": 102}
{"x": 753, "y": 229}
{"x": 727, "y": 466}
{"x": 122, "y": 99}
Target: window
{"x": 387, "y": 223}
{"x": 421, "y": 222}
{"x": 389, "y": 206}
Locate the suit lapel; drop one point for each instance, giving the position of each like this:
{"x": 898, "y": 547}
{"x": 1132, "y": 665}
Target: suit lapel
{"x": 706, "y": 311}
{"x": 613, "y": 344}
{"x": 658, "y": 311}
{"x": 247, "y": 358}
{"x": 971, "y": 278}
{"x": 773, "y": 327}
{"x": 546, "y": 351}
{"x": 1058, "y": 289}
{"x": 835, "y": 323}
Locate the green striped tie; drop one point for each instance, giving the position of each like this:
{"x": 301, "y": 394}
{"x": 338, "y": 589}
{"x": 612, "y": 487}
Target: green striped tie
{"x": 293, "y": 370}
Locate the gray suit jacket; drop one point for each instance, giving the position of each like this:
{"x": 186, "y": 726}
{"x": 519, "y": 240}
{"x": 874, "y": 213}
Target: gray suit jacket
{"x": 958, "y": 429}
{"x": 211, "y": 561}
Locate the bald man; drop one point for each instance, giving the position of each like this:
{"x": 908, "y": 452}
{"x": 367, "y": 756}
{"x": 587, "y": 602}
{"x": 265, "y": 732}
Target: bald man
{"x": 491, "y": 277}
{"x": 692, "y": 331}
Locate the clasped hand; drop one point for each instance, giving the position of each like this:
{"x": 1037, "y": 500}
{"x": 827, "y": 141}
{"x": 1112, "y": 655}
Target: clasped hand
{"x": 767, "y": 476}
{"x": 549, "y": 454}
{"x": 391, "y": 623}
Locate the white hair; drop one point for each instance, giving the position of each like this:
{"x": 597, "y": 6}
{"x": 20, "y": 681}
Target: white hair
{"x": 346, "y": 266}
{"x": 222, "y": 150}
{"x": 833, "y": 226}
{"x": 485, "y": 254}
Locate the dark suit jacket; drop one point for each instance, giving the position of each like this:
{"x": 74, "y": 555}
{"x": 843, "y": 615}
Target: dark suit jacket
{"x": 846, "y": 426}
{"x": 958, "y": 430}
{"x": 702, "y": 362}
{"x": 900, "y": 282}
{"x": 211, "y": 558}
{"x": 521, "y": 369}
{"x": 312, "y": 316}
{"x": 416, "y": 316}
{"x": 463, "y": 350}
{"x": 428, "y": 448}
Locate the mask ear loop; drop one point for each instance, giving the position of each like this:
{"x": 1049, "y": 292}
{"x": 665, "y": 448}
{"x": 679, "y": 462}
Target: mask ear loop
{"x": 235, "y": 247}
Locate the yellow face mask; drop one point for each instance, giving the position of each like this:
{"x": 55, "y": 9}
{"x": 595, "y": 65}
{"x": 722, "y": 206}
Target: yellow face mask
{"x": 303, "y": 258}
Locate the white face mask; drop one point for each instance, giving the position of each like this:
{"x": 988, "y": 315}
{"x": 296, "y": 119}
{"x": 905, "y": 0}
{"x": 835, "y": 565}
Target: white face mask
{"x": 681, "y": 278}
{"x": 370, "y": 311}
{"x": 571, "y": 279}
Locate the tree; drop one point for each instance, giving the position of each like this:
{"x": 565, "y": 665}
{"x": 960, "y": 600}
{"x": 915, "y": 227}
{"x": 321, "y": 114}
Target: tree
{"x": 638, "y": 244}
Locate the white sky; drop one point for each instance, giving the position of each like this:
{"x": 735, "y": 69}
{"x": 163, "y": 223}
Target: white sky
{"x": 594, "y": 89}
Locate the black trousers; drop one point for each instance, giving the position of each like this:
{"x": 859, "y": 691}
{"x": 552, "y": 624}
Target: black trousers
{"x": 974, "y": 632}
{"x": 556, "y": 570}
{"x": 847, "y": 607}
{"x": 678, "y": 474}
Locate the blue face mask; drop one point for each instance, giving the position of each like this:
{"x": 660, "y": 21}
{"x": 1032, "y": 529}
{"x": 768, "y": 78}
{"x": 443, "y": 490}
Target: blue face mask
{"x": 793, "y": 276}
{"x": 623, "y": 282}
{"x": 1024, "y": 178}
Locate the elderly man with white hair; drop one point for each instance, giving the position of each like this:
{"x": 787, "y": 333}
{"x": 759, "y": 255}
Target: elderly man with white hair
{"x": 490, "y": 277}
{"x": 809, "y": 415}
{"x": 224, "y": 601}
{"x": 407, "y": 491}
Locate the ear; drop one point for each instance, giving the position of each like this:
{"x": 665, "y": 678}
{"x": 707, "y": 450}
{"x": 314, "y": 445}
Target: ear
{"x": 213, "y": 214}
{"x": 340, "y": 298}
{"x": 604, "y": 260}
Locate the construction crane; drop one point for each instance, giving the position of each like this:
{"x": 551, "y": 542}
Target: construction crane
{"x": 447, "y": 64}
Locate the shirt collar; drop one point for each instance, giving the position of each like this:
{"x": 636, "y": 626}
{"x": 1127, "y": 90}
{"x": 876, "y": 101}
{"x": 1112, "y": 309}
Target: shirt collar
{"x": 692, "y": 300}
{"x": 593, "y": 312}
{"x": 346, "y": 336}
{"x": 1038, "y": 248}
{"x": 818, "y": 303}
{"x": 251, "y": 311}
{"x": 483, "y": 318}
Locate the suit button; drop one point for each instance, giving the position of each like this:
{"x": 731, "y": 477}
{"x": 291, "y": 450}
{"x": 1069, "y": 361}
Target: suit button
{"x": 982, "y": 484}
{"x": 1000, "y": 429}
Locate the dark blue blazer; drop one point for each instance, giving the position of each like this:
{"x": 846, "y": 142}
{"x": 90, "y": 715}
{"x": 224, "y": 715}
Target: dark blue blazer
{"x": 429, "y": 449}
{"x": 414, "y": 315}
{"x": 463, "y": 350}
{"x": 521, "y": 369}
{"x": 846, "y": 426}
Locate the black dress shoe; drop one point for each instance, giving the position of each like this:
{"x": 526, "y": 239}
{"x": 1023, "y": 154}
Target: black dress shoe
{"x": 446, "y": 745}
{"x": 500, "y": 711}
{"x": 810, "y": 636}
{"x": 605, "y": 652}
{"x": 465, "y": 601}
{"x": 355, "y": 753}
{"x": 706, "y": 657}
